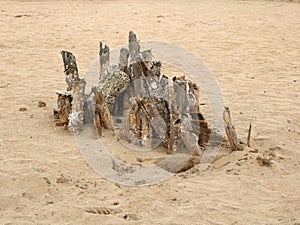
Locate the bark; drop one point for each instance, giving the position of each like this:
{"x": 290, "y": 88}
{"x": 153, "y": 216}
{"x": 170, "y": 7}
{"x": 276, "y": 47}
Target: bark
{"x": 102, "y": 113}
{"x": 64, "y": 107}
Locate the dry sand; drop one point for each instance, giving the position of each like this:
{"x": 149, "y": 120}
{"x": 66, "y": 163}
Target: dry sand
{"x": 253, "y": 49}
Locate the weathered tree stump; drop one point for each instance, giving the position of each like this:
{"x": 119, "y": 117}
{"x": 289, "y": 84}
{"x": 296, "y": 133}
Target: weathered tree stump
{"x": 153, "y": 116}
{"x": 136, "y": 101}
{"x": 70, "y": 104}
{"x": 65, "y": 98}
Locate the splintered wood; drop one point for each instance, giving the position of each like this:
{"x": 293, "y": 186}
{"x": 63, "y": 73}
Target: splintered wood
{"x": 70, "y": 103}
{"x": 235, "y": 144}
{"x": 104, "y": 58}
{"x": 136, "y": 100}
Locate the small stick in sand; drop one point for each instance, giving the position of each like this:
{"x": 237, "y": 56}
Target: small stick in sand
{"x": 249, "y": 135}
{"x": 231, "y": 133}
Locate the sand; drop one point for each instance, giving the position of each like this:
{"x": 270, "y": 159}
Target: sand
{"x": 252, "y": 48}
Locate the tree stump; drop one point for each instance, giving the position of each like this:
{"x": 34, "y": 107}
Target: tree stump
{"x": 135, "y": 100}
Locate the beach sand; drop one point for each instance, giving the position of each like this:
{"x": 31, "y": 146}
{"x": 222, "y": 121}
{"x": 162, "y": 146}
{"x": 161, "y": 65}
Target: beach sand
{"x": 251, "y": 47}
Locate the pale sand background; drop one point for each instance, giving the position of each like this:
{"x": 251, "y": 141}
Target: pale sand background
{"x": 252, "y": 47}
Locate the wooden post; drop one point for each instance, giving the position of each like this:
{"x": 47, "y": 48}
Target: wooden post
{"x": 134, "y": 47}
{"x": 123, "y": 60}
{"x": 102, "y": 114}
{"x": 65, "y": 98}
{"x": 104, "y": 58}
{"x": 70, "y": 68}
{"x": 77, "y": 115}
{"x": 89, "y": 107}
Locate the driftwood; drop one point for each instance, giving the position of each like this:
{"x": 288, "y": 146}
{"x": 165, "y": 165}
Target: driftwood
{"x": 235, "y": 144}
{"x": 76, "y": 117}
{"x": 104, "y": 58}
{"x": 123, "y": 60}
{"x": 71, "y": 70}
{"x": 65, "y": 98}
{"x": 149, "y": 122}
{"x": 70, "y": 104}
{"x": 249, "y": 135}
{"x": 137, "y": 101}
{"x": 141, "y": 105}
{"x": 89, "y": 107}
{"x": 102, "y": 113}
{"x": 143, "y": 96}
{"x": 64, "y": 108}
{"x": 134, "y": 47}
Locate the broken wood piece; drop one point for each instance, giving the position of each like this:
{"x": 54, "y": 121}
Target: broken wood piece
{"x": 249, "y": 135}
{"x": 156, "y": 118}
{"x": 102, "y": 113}
{"x": 76, "y": 116}
{"x": 134, "y": 48}
{"x": 70, "y": 68}
{"x": 104, "y": 58}
{"x": 89, "y": 107}
{"x": 22, "y": 109}
{"x": 138, "y": 102}
{"x": 147, "y": 58}
{"x": 231, "y": 133}
{"x": 64, "y": 107}
{"x": 123, "y": 60}
{"x": 175, "y": 125}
